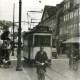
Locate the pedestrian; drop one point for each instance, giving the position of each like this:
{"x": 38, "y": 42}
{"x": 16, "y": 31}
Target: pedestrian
{"x": 8, "y": 51}
{"x": 3, "y": 54}
{"x": 71, "y": 56}
{"x": 76, "y": 53}
{"x": 54, "y": 52}
{"x": 0, "y": 56}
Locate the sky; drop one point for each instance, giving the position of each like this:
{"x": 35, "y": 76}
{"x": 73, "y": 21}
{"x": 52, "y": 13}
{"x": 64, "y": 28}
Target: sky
{"x": 6, "y": 10}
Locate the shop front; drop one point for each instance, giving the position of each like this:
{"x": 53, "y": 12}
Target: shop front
{"x": 72, "y": 42}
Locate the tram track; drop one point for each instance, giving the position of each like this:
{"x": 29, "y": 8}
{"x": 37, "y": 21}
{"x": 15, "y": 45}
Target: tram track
{"x": 58, "y": 73}
{"x": 48, "y": 77}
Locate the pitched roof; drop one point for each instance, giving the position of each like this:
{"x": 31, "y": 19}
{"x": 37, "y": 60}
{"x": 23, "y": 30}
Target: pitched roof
{"x": 51, "y": 10}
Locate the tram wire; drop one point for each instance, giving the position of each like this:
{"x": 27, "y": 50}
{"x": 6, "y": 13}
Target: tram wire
{"x": 58, "y": 73}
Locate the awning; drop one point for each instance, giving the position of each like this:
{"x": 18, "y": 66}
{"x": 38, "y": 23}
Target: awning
{"x": 73, "y": 40}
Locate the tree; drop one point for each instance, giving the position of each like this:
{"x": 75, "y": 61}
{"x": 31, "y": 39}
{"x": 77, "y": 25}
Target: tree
{"x": 4, "y": 35}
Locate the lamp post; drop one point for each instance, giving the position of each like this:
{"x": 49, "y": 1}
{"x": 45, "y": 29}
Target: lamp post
{"x": 19, "y": 64}
{"x": 13, "y": 31}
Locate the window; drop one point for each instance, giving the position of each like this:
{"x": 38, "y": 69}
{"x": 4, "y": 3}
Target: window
{"x": 65, "y": 30}
{"x": 61, "y": 31}
{"x": 74, "y": 3}
{"x": 69, "y": 4}
{"x": 77, "y": 12}
{"x": 64, "y": 18}
{"x": 42, "y": 40}
{"x": 72, "y": 14}
{"x": 68, "y": 16}
{"x": 64, "y": 6}
{"x": 76, "y": 26}
{"x": 69, "y": 29}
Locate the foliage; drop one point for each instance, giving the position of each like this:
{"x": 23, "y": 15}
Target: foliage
{"x": 4, "y": 36}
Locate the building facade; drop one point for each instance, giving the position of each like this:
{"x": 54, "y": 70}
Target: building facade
{"x": 64, "y": 23}
{"x": 69, "y": 22}
{"x": 1, "y": 31}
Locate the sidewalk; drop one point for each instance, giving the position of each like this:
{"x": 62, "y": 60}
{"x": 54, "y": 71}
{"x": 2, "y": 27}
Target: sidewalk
{"x": 12, "y": 74}
{"x": 62, "y": 56}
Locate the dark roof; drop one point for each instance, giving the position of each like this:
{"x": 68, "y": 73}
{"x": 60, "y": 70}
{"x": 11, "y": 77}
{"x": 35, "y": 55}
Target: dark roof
{"x": 51, "y": 10}
{"x": 60, "y": 5}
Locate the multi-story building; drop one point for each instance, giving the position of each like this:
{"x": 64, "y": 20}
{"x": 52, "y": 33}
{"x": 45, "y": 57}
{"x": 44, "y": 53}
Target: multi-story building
{"x": 63, "y": 20}
{"x": 1, "y": 29}
{"x": 69, "y": 21}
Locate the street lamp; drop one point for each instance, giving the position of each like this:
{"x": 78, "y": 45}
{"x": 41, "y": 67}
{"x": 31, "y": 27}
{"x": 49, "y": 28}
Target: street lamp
{"x": 19, "y": 65}
{"x": 13, "y": 31}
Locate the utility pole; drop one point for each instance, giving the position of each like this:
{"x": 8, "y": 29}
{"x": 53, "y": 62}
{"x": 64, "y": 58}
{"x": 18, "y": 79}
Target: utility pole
{"x": 13, "y": 30}
{"x": 19, "y": 64}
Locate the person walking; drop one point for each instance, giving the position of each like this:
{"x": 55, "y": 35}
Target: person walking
{"x": 71, "y": 52}
{"x": 3, "y": 54}
{"x": 8, "y": 51}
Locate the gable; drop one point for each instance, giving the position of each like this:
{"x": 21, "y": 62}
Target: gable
{"x": 45, "y": 16}
{"x": 49, "y": 11}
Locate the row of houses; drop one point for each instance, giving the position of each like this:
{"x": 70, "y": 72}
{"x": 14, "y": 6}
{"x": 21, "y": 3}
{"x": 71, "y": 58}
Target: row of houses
{"x": 8, "y": 26}
{"x": 63, "y": 19}
{"x": 3, "y": 27}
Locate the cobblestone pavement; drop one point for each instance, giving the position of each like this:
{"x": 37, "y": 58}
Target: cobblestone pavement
{"x": 12, "y": 74}
{"x": 59, "y": 70}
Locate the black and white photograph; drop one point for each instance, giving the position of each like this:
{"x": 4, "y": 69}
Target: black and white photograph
{"x": 39, "y": 39}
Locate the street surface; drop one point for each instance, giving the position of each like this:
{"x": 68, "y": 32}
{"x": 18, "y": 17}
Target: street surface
{"x": 59, "y": 70}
